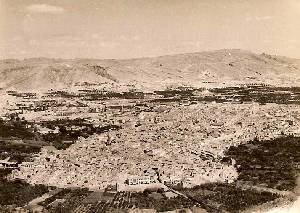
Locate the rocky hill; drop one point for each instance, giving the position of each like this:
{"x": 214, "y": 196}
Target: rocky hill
{"x": 204, "y": 69}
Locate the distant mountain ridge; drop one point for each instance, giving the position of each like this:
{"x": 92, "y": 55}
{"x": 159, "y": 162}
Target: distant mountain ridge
{"x": 203, "y": 69}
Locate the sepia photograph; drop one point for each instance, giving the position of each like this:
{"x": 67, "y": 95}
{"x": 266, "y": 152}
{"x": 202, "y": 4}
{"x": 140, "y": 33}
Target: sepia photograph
{"x": 147, "y": 106}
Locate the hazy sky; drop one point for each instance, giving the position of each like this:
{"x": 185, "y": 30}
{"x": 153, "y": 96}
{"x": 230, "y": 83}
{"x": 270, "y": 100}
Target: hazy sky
{"x": 136, "y": 28}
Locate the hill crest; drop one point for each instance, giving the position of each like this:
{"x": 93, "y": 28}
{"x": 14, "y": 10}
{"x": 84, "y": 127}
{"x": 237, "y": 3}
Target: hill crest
{"x": 201, "y": 69}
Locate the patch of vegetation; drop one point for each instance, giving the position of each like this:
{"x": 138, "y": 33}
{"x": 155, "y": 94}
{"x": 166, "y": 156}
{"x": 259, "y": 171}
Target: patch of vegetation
{"x": 73, "y": 199}
{"x": 17, "y": 152}
{"x": 71, "y": 130}
{"x": 4, "y": 173}
{"x": 100, "y": 95}
{"x": 180, "y": 92}
{"x": 215, "y": 197}
{"x": 16, "y": 128}
{"x": 121, "y": 201}
{"x": 62, "y": 94}
{"x": 272, "y": 163}
{"x": 95, "y": 94}
{"x": 21, "y": 94}
{"x": 259, "y": 93}
{"x": 252, "y": 93}
{"x": 18, "y": 192}
{"x": 145, "y": 201}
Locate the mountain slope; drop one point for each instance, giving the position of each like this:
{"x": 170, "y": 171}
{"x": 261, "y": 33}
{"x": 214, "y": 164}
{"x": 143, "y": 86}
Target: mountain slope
{"x": 222, "y": 67}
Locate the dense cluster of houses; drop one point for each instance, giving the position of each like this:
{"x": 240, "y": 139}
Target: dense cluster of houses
{"x": 184, "y": 144}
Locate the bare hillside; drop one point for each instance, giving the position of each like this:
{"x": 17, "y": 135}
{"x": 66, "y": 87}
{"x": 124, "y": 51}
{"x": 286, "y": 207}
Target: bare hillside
{"x": 215, "y": 68}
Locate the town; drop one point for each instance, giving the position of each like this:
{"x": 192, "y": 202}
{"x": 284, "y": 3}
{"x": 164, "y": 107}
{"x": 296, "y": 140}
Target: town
{"x": 177, "y": 139}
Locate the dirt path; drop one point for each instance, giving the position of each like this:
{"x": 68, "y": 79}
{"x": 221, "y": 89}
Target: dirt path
{"x": 39, "y": 199}
{"x": 42, "y": 198}
{"x": 283, "y": 204}
{"x": 297, "y": 188}
{"x": 265, "y": 189}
